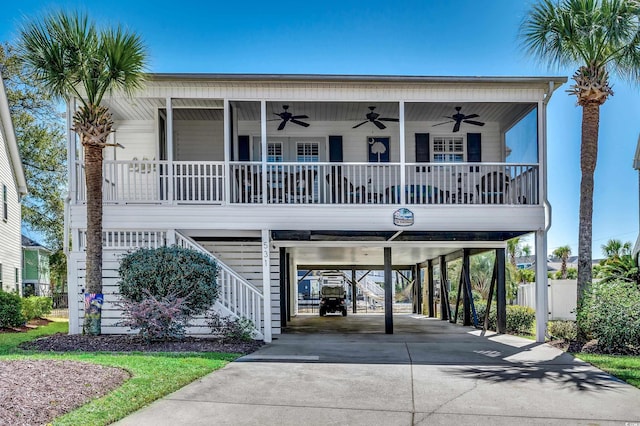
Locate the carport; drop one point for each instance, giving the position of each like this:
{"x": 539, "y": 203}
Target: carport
{"x": 424, "y": 254}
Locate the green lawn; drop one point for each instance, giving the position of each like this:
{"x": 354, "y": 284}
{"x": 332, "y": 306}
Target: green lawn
{"x": 154, "y": 375}
{"x": 626, "y": 368}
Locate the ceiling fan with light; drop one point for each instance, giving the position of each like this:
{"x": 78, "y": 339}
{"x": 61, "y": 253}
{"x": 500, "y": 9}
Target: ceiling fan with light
{"x": 375, "y": 118}
{"x": 286, "y": 117}
{"x": 458, "y": 118}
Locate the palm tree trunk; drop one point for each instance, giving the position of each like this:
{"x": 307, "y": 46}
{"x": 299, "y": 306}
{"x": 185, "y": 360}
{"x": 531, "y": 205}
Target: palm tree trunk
{"x": 588, "y": 157}
{"x": 93, "y": 173}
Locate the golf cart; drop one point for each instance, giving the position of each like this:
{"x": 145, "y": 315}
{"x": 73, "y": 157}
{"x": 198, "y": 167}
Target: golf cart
{"x": 333, "y": 296}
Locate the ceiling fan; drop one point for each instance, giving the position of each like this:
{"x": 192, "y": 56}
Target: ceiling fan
{"x": 458, "y": 118}
{"x": 287, "y": 116}
{"x": 375, "y": 118}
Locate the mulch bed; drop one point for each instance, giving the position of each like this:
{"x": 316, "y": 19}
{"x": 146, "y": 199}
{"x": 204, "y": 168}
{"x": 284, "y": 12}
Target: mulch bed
{"x": 590, "y": 347}
{"x": 34, "y": 392}
{"x": 131, "y": 343}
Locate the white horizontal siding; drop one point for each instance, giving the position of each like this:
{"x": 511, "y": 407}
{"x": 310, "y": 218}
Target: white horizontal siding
{"x": 356, "y": 91}
{"x": 198, "y": 140}
{"x": 246, "y": 259}
{"x": 138, "y": 137}
{"x": 245, "y": 256}
{"x": 317, "y": 217}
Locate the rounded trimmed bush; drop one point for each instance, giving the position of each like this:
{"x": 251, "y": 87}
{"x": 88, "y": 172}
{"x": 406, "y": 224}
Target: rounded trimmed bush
{"x": 170, "y": 272}
{"x": 10, "y": 310}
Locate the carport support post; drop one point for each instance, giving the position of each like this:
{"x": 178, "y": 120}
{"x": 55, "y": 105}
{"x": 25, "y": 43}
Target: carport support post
{"x": 266, "y": 285}
{"x": 417, "y": 282}
{"x": 444, "y": 309}
{"x": 466, "y": 299}
{"x": 501, "y": 292}
{"x": 354, "y": 306}
{"x": 388, "y": 292}
{"x": 430, "y": 287}
{"x": 542, "y": 289}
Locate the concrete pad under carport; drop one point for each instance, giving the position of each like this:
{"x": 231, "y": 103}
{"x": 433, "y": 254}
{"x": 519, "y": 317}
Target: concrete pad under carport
{"x": 446, "y": 375}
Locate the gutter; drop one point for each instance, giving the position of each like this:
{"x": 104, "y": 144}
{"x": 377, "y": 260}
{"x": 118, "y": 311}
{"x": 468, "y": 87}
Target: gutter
{"x": 547, "y": 206}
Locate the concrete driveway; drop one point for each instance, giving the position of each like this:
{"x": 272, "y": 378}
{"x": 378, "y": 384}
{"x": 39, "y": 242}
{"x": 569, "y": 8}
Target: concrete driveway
{"x": 429, "y": 372}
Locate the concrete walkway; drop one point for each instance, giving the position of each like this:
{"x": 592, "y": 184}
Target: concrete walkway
{"x": 429, "y": 372}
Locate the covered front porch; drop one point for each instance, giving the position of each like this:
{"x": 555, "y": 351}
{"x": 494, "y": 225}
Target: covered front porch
{"x": 227, "y": 152}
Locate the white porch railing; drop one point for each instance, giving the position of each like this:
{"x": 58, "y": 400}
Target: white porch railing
{"x": 203, "y": 182}
{"x": 235, "y": 294}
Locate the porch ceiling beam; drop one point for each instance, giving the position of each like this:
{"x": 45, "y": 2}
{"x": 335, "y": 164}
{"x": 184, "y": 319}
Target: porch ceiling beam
{"x": 352, "y": 266}
{"x": 460, "y": 237}
{"x": 472, "y": 252}
{"x": 453, "y": 245}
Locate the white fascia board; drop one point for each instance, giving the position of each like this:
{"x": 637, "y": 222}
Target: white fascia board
{"x": 10, "y": 137}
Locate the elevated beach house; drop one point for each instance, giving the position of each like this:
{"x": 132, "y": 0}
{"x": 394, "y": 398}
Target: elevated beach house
{"x": 12, "y": 187}
{"x": 271, "y": 174}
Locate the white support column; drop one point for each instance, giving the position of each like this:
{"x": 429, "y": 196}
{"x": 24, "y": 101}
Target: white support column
{"x": 170, "y": 183}
{"x": 542, "y": 287}
{"x": 266, "y": 284}
{"x": 403, "y": 177}
{"x": 227, "y": 151}
{"x": 263, "y": 145}
{"x": 73, "y": 292}
{"x": 72, "y": 154}
{"x": 171, "y": 237}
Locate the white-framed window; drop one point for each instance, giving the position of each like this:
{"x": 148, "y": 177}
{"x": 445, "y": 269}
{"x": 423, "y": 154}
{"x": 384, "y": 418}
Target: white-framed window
{"x": 448, "y": 149}
{"x": 274, "y": 152}
{"x": 307, "y": 152}
{"x": 5, "y": 203}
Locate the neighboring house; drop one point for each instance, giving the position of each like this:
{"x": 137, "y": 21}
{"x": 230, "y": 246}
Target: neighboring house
{"x": 12, "y": 187}
{"x": 35, "y": 268}
{"x": 277, "y": 173}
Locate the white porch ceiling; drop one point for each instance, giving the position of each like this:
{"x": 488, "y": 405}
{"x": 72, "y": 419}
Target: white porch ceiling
{"x": 505, "y": 114}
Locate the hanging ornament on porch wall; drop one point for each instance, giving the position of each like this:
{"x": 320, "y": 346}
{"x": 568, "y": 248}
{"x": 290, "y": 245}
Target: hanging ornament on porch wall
{"x": 93, "y": 312}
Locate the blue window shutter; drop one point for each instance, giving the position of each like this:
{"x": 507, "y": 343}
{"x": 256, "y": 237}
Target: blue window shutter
{"x": 243, "y": 148}
{"x": 335, "y": 149}
{"x": 423, "y": 154}
{"x": 474, "y": 147}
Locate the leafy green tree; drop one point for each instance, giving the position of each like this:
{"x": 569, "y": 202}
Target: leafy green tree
{"x": 563, "y": 253}
{"x": 70, "y": 56}
{"x": 40, "y": 136}
{"x": 597, "y": 37}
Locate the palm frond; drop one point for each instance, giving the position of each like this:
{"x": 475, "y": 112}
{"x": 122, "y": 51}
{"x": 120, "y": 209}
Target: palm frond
{"x": 70, "y": 55}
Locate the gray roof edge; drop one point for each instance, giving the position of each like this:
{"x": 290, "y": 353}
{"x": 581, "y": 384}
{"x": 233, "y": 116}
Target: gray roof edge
{"x": 358, "y": 78}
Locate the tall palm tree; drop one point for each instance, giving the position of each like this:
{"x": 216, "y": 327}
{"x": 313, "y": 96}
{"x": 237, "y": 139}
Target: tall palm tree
{"x": 563, "y": 254}
{"x": 73, "y": 58}
{"x": 598, "y": 37}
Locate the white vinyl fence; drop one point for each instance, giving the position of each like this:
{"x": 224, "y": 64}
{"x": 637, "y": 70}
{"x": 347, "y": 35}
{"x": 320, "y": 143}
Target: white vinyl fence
{"x": 562, "y": 298}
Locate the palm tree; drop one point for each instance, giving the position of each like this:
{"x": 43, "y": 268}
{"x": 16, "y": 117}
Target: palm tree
{"x": 513, "y": 249}
{"x": 563, "y": 254}
{"x": 614, "y": 249}
{"x": 598, "y": 37}
{"x": 67, "y": 53}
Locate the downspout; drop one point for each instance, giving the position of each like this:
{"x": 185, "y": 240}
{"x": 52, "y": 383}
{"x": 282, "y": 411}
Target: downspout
{"x": 545, "y": 201}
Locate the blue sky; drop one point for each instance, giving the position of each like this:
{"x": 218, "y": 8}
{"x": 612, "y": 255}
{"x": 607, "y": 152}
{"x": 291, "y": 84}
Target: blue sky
{"x": 428, "y": 37}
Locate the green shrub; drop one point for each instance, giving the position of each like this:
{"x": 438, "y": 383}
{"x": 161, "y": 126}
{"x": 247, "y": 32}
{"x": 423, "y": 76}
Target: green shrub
{"x": 611, "y": 313}
{"x": 520, "y": 319}
{"x": 565, "y": 330}
{"x": 36, "y": 307}
{"x": 230, "y": 328}
{"x": 10, "y": 310}
{"x": 170, "y": 271}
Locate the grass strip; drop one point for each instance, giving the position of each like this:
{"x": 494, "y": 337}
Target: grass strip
{"x": 624, "y": 367}
{"x": 153, "y": 375}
